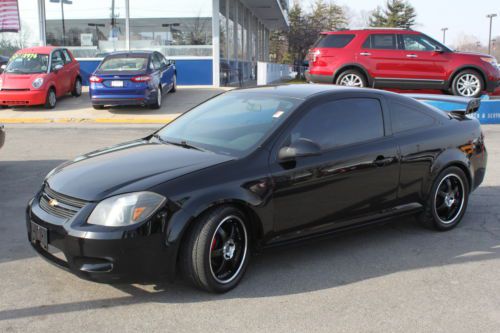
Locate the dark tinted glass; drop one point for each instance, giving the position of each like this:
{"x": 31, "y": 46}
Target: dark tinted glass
{"x": 383, "y": 41}
{"x": 405, "y": 118}
{"x": 342, "y": 122}
{"x": 334, "y": 41}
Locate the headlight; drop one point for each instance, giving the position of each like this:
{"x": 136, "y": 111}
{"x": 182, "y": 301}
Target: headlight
{"x": 492, "y": 61}
{"x": 127, "y": 209}
{"x": 37, "y": 83}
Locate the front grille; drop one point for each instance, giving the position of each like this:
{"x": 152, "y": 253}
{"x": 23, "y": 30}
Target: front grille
{"x": 62, "y": 206}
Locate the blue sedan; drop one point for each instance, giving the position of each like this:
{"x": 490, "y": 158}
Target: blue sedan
{"x": 132, "y": 78}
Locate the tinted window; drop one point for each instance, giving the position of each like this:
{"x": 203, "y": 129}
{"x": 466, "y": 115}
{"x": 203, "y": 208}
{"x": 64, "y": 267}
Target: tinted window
{"x": 383, "y": 42}
{"x": 405, "y": 118}
{"x": 418, "y": 43}
{"x": 57, "y": 59}
{"x": 232, "y": 123}
{"x": 334, "y": 41}
{"x": 342, "y": 122}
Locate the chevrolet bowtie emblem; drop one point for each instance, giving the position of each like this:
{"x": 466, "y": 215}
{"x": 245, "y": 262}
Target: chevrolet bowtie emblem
{"x": 53, "y": 202}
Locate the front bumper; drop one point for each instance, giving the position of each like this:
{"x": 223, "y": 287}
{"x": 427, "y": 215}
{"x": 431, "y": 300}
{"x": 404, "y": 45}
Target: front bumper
{"x": 22, "y": 97}
{"x": 94, "y": 253}
{"x": 492, "y": 85}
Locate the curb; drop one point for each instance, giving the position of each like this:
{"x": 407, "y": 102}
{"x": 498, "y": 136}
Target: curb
{"x": 85, "y": 120}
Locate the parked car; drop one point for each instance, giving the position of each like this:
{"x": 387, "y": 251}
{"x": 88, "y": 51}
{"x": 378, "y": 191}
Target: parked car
{"x": 38, "y": 76}
{"x": 2, "y": 135}
{"x": 253, "y": 168}
{"x": 3, "y": 61}
{"x": 132, "y": 78}
{"x": 403, "y": 59}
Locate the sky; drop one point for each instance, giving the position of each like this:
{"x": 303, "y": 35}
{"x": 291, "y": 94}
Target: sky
{"x": 459, "y": 16}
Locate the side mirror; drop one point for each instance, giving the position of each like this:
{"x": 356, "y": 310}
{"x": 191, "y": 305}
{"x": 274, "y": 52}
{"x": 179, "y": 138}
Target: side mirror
{"x": 58, "y": 67}
{"x": 438, "y": 49}
{"x": 300, "y": 148}
{"x": 172, "y": 62}
{"x": 3, "y": 67}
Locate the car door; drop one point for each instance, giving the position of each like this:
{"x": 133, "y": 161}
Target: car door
{"x": 381, "y": 56}
{"x": 356, "y": 174}
{"x": 61, "y": 80}
{"x": 168, "y": 72}
{"x": 421, "y": 60}
{"x": 71, "y": 68}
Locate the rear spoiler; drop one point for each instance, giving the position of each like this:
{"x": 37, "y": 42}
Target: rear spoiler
{"x": 470, "y": 105}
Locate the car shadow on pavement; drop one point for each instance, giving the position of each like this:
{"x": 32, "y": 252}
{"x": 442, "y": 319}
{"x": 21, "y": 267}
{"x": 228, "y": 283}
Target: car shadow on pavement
{"x": 400, "y": 245}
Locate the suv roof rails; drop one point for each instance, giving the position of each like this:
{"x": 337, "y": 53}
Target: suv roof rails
{"x": 384, "y": 28}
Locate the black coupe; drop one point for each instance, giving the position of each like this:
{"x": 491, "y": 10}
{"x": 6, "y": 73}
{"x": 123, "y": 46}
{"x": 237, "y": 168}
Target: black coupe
{"x": 252, "y": 168}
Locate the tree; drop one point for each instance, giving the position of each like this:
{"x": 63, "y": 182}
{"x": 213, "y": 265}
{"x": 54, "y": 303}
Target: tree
{"x": 397, "y": 14}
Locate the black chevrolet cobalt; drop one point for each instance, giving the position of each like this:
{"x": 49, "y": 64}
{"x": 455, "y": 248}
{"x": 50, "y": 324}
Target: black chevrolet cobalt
{"x": 252, "y": 168}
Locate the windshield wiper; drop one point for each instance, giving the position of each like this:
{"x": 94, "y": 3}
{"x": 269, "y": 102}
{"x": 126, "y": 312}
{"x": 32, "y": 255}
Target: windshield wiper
{"x": 182, "y": 143}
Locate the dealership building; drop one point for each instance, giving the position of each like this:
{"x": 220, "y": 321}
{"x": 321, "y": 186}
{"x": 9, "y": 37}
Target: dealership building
{"x": 214, "y": 42}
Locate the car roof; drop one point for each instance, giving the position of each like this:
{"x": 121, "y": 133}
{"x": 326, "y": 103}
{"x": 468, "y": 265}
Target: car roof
{"x": 38, "y": 49}
{"x": 372, "y": 30}
{"x": 305, "y": 91}
{"x": 132, "y": 52}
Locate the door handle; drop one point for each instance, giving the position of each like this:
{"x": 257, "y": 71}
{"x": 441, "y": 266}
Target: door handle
{"x": 365, "y": 54}
{"x": 382, "y": 161}
{"x": 412, "y": 56}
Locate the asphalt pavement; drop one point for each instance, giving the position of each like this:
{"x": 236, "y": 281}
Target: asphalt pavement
{"x": 395, "y": 277}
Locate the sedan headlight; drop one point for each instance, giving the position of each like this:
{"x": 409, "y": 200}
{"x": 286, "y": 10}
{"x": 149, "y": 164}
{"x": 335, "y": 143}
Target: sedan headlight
{"x": 127, "y": 209}
{"x": 37, "y": 83}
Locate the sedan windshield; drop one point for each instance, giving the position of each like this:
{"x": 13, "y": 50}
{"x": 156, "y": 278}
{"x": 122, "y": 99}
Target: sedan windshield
{"x": 124, "y": 64}
{"x": 28, "y": 63}
{"x": 232, "y": 124}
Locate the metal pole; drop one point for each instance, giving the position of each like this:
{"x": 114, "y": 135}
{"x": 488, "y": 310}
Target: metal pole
{"x": 63, "y": 24}
{"x": 490, "y": 16}
{"x": 444, "y": 35}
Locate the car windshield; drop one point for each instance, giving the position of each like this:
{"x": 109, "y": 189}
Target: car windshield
{"x": 232, "y": 124}
{"x": 124, "y": 64}
{"x": 28, "y": 63}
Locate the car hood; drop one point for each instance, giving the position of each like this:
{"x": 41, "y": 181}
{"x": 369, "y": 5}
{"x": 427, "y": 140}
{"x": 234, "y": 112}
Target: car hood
{"x": 472, "y": 54}
{"x": 18, "y": 81}
{"x": 129, "y": 167}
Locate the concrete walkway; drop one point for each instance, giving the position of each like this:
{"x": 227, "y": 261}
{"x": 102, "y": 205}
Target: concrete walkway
{"x": 79, "y": 110}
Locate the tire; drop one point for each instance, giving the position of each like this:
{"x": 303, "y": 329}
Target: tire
{"x": 174, "y": 86}
{"x": 51, "y": 99}
{"x": 157, "y": 103}
{"x": 77, "y": 88}
{"x": 451, "y": 187}
{"x": 352, "y": 78}
{"x": 212, "y": 259}
{"x": 98, "y": 106}
{"x": 5, "y": 106}
{"x": 459, "y": 84}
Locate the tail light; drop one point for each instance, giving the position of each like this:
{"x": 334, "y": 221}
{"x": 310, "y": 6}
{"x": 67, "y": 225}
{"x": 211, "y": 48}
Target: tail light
{"x": 95, "y": 79}
{"x": 141, "y": 78}
{"x": 315, "y": 55}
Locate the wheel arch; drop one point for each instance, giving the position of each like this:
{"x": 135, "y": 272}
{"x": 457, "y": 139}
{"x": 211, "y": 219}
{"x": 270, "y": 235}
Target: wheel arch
{"x": 464, "y": 68}
{"x": 450, "y": 158}
{"x": 354, "y": 66}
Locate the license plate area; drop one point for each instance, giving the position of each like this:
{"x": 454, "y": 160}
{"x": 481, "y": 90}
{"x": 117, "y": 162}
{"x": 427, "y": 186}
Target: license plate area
{"x": 117, "y": 84}
{"x": 39, "y": 235}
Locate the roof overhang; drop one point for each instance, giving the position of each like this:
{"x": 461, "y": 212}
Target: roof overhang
{"x": 269, "y": 12}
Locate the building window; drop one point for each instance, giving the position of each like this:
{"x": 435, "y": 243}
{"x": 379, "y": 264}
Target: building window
{"x": 88, "y": 28}
{"x": 172, "y": 29}
{"x": 222, "y": 29}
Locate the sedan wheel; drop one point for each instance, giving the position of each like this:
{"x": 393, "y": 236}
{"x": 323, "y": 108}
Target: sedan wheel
{"x": 77, "y": 89}
{"x": 448, "y": 200}
{"x": 216, "y": 252}
{"x": 51, "y": 99}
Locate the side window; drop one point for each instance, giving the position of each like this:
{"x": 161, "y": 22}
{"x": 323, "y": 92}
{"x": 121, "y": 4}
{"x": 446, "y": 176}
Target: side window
{"x": 164, "y": 62}
{"x": 342, "y": 122}
{"x": 156, "y": 61}
{"x": 417, "y": 43}
{"x": 334, "y": 41}
{"x": 382, "y": 42}
{"x": 67, "y": 57}
{"x": 405, "y": 118}
{"x": 57, "y": 59}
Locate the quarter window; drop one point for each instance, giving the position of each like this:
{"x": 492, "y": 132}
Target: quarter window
{"x": 405, "y": 118}
{"x": 334, "y": 41}
{"x": 381, "y": 41}
{"x": 342, "y": 122}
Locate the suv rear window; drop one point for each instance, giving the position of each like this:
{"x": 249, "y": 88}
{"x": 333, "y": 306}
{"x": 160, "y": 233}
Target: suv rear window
{"x": 381, "y": 42}
{"x": 333, "y": 41}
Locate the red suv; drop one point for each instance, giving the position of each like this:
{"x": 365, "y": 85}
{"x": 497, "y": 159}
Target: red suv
{"x": 402, "y": 59}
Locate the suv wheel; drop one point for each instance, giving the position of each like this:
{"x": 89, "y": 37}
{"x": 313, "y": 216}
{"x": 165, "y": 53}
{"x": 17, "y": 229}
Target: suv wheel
{"x": 215, "y": 253}
{"x": 447, "y": 200}
{"x": 468, "y": 83}
{"x": 351, "y": 78}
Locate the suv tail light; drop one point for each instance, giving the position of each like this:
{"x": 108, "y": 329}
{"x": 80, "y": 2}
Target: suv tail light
{"x": 141, "y": 78}
{"x": 315, "y": 55}
{"x": 95, "y": 79}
